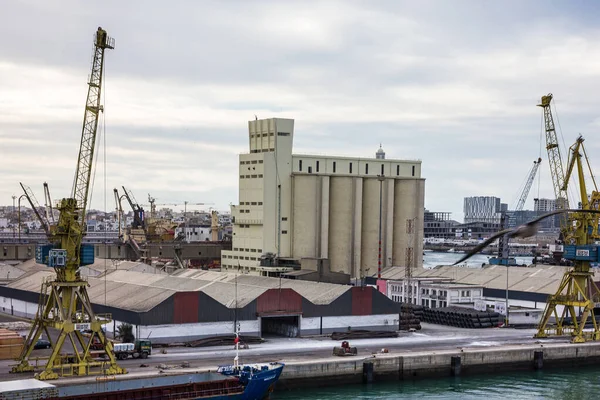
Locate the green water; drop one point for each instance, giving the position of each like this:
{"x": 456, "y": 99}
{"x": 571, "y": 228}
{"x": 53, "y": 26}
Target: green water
{"x": 566, "y": 384}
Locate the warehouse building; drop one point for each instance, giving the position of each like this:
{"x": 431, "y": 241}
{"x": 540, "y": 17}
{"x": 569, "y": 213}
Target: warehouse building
{"x": 296, "y": 206}
{"x": 193, "y": 304}
{"x": 527, "y": 287}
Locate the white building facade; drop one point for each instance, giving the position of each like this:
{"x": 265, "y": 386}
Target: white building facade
{"x": 194, "y": 233}
{"x": 482, "y": 209}
{"x": 433, "y": 292}
{"x": 306, "y": 206}
{"x": 544, "y": 205}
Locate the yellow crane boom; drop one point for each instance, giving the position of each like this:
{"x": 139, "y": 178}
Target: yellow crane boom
{"x": 556, "y": 166}
{"x": 64, "y": 302}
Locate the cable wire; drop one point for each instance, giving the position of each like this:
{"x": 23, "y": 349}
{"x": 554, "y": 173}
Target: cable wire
{"x": 540, "y": 155}
{"x": 575, "y": 183}
{"x": 104, "y": 162}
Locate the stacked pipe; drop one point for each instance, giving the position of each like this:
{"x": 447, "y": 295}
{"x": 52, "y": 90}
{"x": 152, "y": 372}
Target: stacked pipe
{"x": 222, "y": 340}
{"x": 410, "y": 317}
{"x": 461, "y": 317}
{"x": 362, "y": 334}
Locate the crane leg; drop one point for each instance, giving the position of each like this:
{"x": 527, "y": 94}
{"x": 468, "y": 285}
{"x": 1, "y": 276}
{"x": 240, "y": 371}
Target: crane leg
{"x": 577, "y": 290}
{"x": 68, "y": 309}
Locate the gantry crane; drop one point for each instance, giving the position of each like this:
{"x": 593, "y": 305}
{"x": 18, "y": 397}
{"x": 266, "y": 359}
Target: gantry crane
{"x": 556, "y": 167}
{"x": 577, "y": 288}
{"x": 64, "y": 302}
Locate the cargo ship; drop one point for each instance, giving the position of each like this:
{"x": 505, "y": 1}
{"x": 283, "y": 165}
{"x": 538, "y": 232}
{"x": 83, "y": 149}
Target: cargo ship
{"x": 236, "y": 381}
{"x": 240, "y": 382}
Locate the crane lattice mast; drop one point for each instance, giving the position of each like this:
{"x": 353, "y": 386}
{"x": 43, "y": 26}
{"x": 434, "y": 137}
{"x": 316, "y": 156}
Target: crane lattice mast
{"x": 556, "y": 165}
{"x": 64, "y": 302}
{"x": 577, "y": 291}
{"x": 528, "y": 184}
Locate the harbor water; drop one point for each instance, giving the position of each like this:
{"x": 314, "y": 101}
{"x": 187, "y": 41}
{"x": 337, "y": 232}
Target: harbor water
{"x": 434, "y": 258}
{"x": 571, "y": 384}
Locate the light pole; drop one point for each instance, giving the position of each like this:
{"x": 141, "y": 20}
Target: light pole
{"x": 505, "y": 256}
{"x": 185, "y": 221}
{"x": 380, "y": 178}
{"x": 13, "y": 213}
{"x": 19, "y": 216}
{"x": 506, "y": 321}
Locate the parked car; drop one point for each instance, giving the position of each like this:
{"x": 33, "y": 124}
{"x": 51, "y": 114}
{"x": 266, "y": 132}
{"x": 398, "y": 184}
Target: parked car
{"x": 42, "y": 344}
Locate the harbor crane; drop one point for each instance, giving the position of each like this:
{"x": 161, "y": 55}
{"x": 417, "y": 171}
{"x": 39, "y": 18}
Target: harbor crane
{"x": 153, "y": 205}
{"x": 138, "y": 211}
{"x": 557, "y": 173}
{"x": 577, "y": 289}
{"x": 119, "y": 211}
{"x": 64, "y": 304}
{"x": 35, "y": 205}
{"x": 503, "y": 257}
{"x": 528, "y": 184}
{"x": 48, "y": 204}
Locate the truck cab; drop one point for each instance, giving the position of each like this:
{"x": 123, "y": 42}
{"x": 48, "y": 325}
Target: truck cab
{"x": 143, "y": 348}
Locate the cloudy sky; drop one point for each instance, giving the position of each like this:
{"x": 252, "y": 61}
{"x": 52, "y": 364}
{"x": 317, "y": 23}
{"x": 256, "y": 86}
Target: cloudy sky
{"x": 452, "y": 83}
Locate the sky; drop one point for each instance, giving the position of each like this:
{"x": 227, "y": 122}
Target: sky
{"x": 451, "y": 83}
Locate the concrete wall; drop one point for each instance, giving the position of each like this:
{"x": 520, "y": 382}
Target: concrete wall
{"x": 341, "y": 225}
{"x": 370, "y": 228}
{"x": 19, "y": 308}
{"x": 187, "y": 332}
{"x": 326, "y": 325}
{"x": 179, "y": 333}
{"x": 306, "y": 215}
{"x": 408, "y": 206}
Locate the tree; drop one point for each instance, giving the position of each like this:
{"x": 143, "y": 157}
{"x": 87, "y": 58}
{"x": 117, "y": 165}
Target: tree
{"x": 125, "y": 333}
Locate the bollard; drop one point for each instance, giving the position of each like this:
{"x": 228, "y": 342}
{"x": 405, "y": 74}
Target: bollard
{"x": 455, "y": 365}
{"x": 367, "y": 372}
{"x": 538, "y": 359}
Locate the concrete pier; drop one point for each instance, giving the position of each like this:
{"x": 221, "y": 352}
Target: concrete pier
{"x": 440, "y": 363}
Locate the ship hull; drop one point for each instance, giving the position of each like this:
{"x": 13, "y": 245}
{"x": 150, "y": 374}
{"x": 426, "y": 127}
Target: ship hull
{"x": 254, "y": 385}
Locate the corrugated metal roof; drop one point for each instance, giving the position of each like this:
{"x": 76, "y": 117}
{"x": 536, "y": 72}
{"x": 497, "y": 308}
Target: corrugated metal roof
{"x": 535, "y": 279}
{"x": 139, "y": 291}
{"x": 8, "y": 272}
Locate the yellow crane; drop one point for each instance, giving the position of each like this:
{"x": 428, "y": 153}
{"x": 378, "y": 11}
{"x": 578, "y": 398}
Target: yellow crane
{"x": 556, "y": 166}
{"x": 577, "y": 289}
{"x": 64, "y": 302}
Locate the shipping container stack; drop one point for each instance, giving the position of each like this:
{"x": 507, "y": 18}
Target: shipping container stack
{"x": 462, "y": 317}
{"x": 11, "y": 344}
{"x": 410, "y": 317}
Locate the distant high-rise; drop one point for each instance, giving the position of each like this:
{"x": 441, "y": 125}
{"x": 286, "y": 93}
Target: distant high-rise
{"x": 482, "y": 209}
{"x": 545, "y": 205}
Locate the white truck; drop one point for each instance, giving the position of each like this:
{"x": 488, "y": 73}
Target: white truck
{"x": 139, "y": 349}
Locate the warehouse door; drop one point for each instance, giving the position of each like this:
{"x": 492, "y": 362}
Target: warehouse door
{"x": 280, "y": 325}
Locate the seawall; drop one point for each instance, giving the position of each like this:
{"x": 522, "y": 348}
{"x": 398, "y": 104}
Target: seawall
{"x": 434, "y": 363}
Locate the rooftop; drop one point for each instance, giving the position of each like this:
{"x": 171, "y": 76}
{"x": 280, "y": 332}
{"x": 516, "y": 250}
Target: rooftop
{"x": 536, "y": 279}
{"x": 131, "y": 287}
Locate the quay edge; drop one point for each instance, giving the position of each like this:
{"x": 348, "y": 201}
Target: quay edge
{"x": 435, "y": 364}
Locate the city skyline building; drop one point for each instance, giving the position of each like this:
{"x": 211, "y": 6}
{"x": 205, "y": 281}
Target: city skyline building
{"x": 486, "y": 209}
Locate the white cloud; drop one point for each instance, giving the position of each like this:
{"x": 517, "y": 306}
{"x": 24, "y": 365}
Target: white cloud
{"x": 454, "y": 86}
